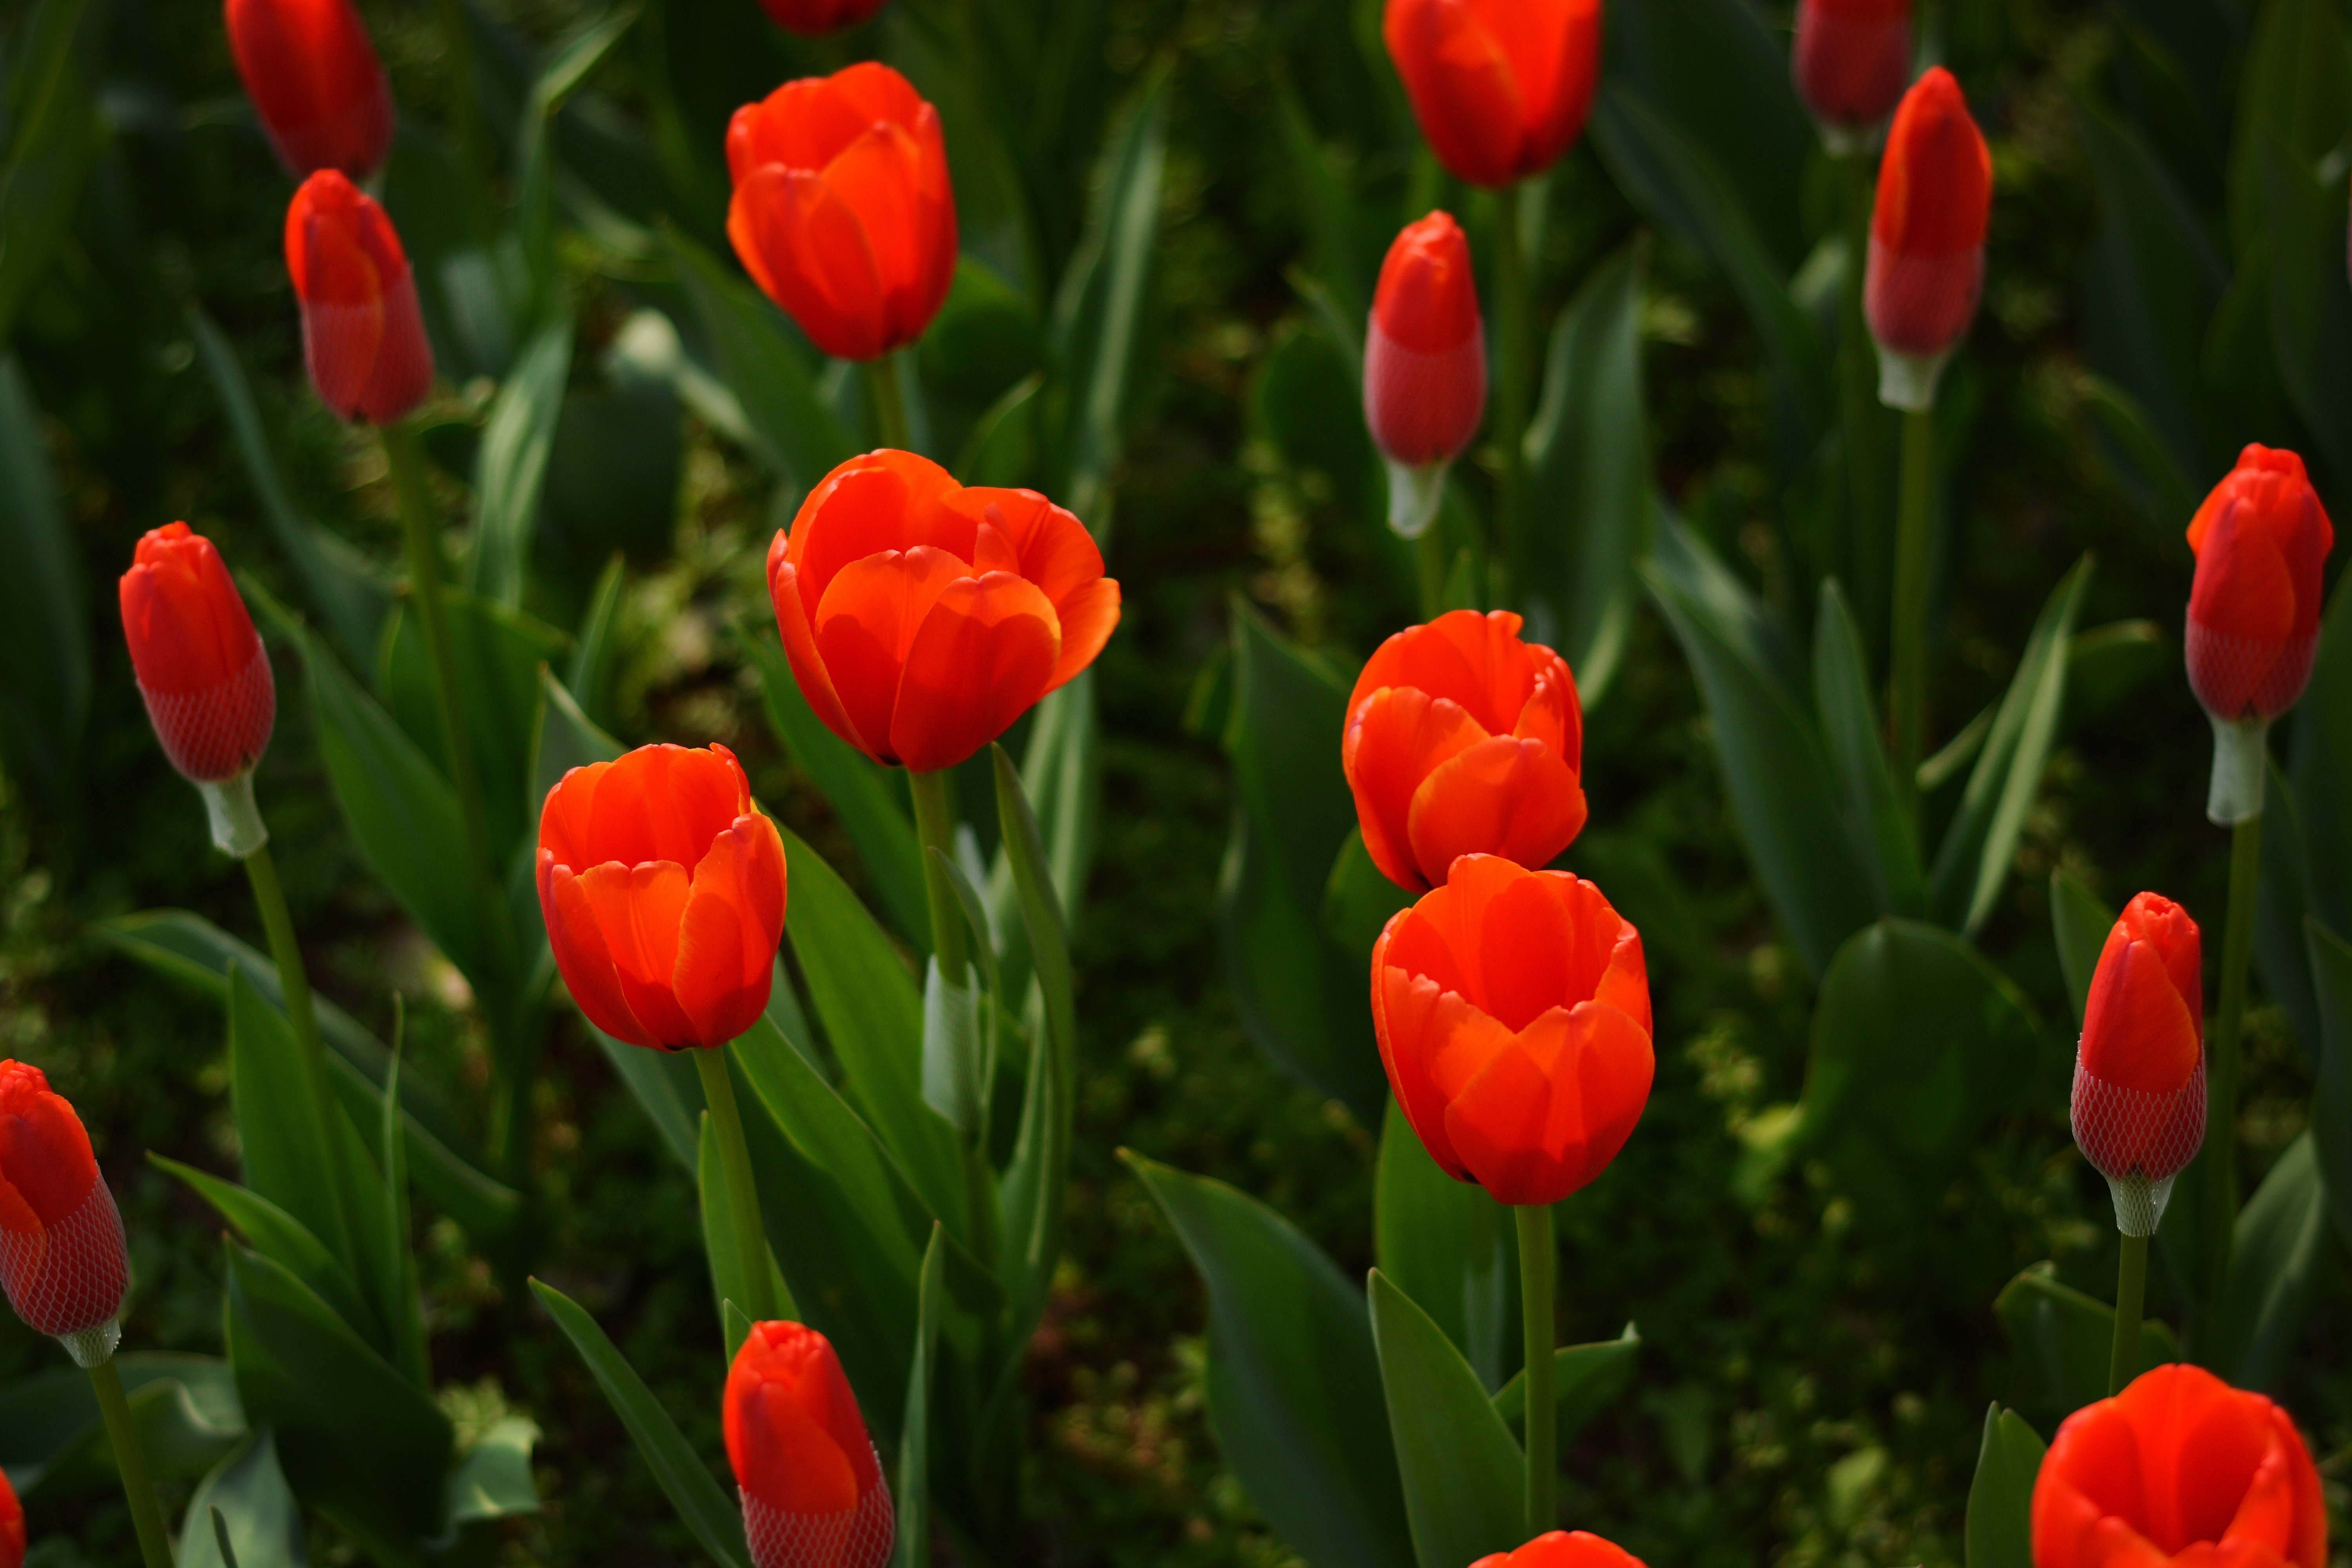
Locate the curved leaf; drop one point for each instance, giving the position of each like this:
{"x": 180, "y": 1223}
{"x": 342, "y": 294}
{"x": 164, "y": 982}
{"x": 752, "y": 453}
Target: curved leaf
{"x": 1462, "y": 1469}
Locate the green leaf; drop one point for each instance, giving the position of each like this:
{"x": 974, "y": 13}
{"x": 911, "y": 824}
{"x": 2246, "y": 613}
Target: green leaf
{"x": 1881, "y": 837}
{"x": 1587, "y": 501}
{"x": 1061, "y": 783}
{"x": 1584, "y": 1379}
{"x": 2307, "y": 833}
{"x": 280, "y": 1238}
{"x": 260, "y": 1524}
{"x": 664, "y": 1085}
{"x": 1980, "y": 845}
{"x": 44, "y": 641}
{"x": 403, "y": 1310}
{"x": 493, "y": 1480}
{"x": 2331, "y": 1102}
{"x": 1449, "y": 1246}
{"x": 716, "y": 1521}
{"x": 289, "y": 1159}
{"x": 501, "y": 651}
{"x": 568, "y": 65}
{"x": 512, "y": 473}
{"x": 566, "y": 739}
{"x": 2067, "y": 1339}
{"x": 1337, "y": 226}
{"x": 589, "y": 676}
{"x": 2295, "y": 93}
{"x": 2162, "y": 490}
{"x": 1999, "y": 1532}
{"x": 1293, "y": 1378}
{"x": 2082, "y": 923}
{"x": 1463, "y": 1471}
{"x": 728, "y": 1283}
{"x": 790, "y": 429}
{"x": 1359, "y": 901}
{"x": 53, "y": 1442}
{"x": 51, "y": 101}
{"x": 915, "y": 1431}
{"x": 2275, "y": 1271}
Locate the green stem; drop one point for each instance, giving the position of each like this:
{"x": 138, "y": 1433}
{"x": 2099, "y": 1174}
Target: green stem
{"x": 889, "y": 403}
{"x": 1514, "y": 339}
{"x": 2131, "y": 1293}
{"x": 2225, "y": 1061}
{"x": 1910, "y": 654}
{"x": 1539, "y": 1285}
{"x": 1858, "y": 400}
{"x": 294, "y": 985}
{"x": 1432, "y": 562}
{"x": 422, "y": 537}
{"x": 742, "y": 1193}
{"x": 130, "y": 1460}
{"x": 465, "y": 110}
{"x": 935, "y": 827}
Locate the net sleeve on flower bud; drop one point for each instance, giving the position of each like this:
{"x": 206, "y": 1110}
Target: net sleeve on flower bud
{"x": 2138, "y": 1141}
{"x": 221, "y": 731}
{"x": 1424, "y": 405}
{"x": 67, "y": 1279}
{"x": 1920, "y": 302}
{"x": 2239, "y": 677}
{"x": 859, "y": 1537}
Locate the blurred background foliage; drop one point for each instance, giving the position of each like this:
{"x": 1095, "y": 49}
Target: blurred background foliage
{"x": 1802, "y": 1397}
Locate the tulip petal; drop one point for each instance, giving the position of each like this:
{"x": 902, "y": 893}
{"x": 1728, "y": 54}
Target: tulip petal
{"x": 662, "y": 803}
{"x": 1087, "y": 619}
{"x": 1398, "y": 737}
{"x": 2136, "y": 1032}
{"x": 2243, "y": 587}
{"x": 883, "y": 500}
{"x": 802, "y": 242}
{"x": 1463, "y": 89}
{"x": 806, "y": 1471}
{"x": 728, "y": 935}
{"x": 341, "y": 298}
{"x": 865, "y": 627}
{"x": 638, "y": 909}
{"x": 1052, "y": 547}
{"x": 808, "y": 668}
{"x": 1421, "y": 1023}
{"x": 980, "y": 659}
{"x": 875, "y": 176}
{"x": 1501, "y": 796}
{"x": 582, "y": 955}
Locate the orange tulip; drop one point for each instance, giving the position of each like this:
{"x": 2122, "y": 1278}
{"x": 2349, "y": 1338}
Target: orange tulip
{"x": 2180, "y": 1468}
{"x": 1501, "y": 88}
{"x": 11, "y": 1526}
{"x": 1852, "y": 61}
{"x": 361, "y": 330}
{"x": 842, "y": 211}
{"x": 316, "y": 82}
{"x": 1513, "y": 1011}
{"x": 923, "y": 618}
{"x": 1563, "y": 1549}
{"x": 63, "y": 1262}
{"x": 1926, "y": 237}
{"x": 662, "y": 888}
{"x": 813, "y": 1489}
{"x": 2139, "y": 1074}
{"x": 1461, "y": 740}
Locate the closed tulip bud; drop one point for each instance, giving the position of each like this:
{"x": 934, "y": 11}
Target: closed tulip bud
{"x": 1513, "y": 1012}
{"x": 316, "y": 82}
{"x": 1425, "y": 366}
{"x": 1501, "y": 88}
{"x": 842, "y": 211}
{"x": 1563, "y": 1549}
{"x": 1927, "y": 239}
{"x": 362, "y": 330}
{"x": 1463, "y": 740}
{"x": 1852, "y": 60}
{"x": 923, "y": 618}
{"x": 2139, "y": 1072}
{"x": 814, "y": 18}
{"x": 2260, "y": 539}
{"x": 62, "y": 1260}
{"x": 11, "y": 1526}
{"x": 204, "y": 675}
{"x": 663, "y": 890}
{"x": 2180, "y": 1468}
{"x": 813, "y": 1494}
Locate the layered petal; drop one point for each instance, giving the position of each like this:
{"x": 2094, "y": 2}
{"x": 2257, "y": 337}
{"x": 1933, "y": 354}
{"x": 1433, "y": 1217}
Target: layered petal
{"x": 813, "y": 1492}
{"x": 1518, "y": 799}
{"x": 981, "y": 659}
{"x": 1563, "y": 1549}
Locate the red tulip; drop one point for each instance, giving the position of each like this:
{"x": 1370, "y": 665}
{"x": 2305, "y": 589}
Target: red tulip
{"x": 1463, "y": 740}
{"x": 2139, "y": 1074}
{"x": 663, "y": 890}
{"x": 2260, "y": 539}
{"x": 2180, "y": 1468}
{"x": 1926, "y": 237}
{"x": 1500, "y": 86}
{"x": 813, "y": 1494}
{"x": 1563, "y": 1549}
{"x": 362, "y": 330}
{"x": 316, "y": 81}
{"x": 11, "y": 1526}
{"x": 923, "y": 618}
{"x": 1425, "y": 365}
{"x": 1513, "y": 1011}
{"x": 842, "y": 211}
{"x": 62, "y": 1259}
{"x": 814, "y": 18}
{"x": 1852, "y": 60}
{"x": 199, "y": 662}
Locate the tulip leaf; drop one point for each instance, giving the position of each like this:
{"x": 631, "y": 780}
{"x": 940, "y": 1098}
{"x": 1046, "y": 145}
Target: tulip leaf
{"x": 289, "y": 1158}
{"x": 1293, "y": 1376}
{"x": 2276, "y": 1272}
{"x": 568, "y": 65}
{"x": 1359, "y": 901}
{"x": 404, "y": 1311}
{"x": 2307, "y": 833}
{"x": 280, "y": 1238}
{"x": 2331, "y": 1102}
{"x": 2082, "y": 923}
{"x": 914, "y": 1543}
{"x": 2068, "y": 1338}
{"x": 716, "y": 1521}
{"x": 1584, "y": 1378}
{"x": 493, "y": 1480}
{"x": 243, "y": 1514}
{"x": 1462, "y": 1470}
{"x": 511, "y": 474}
{"x": 53, "y": 1442}
{"x": 2294, "y": 95}
{"x": 1882, "y": 838}
{"x": 53, "y": 108}
{"x": 1346, "y": 254}
{"x": 665, "y": 1088}
{"x": 2000, "y": 1533}
{"x": 566, "y": 739}
{"x": 728, "y": 1284}
{"x": 1061, "y": 786}
{"x": 1449, "y": 1246}
{"x": 44, "y": 637}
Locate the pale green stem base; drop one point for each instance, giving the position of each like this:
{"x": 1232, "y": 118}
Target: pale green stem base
{"x": 742, "y": 1191}
{"x": 2224, "y": 1061}
{"x": 889, "y": 402}
{"x": 1538, "y": 1287}
{"x": 294, "y": 985}
{"x": 131, "y": 1459}
{"x": 1908, "y": 703}
{"x": 2131, "y": 1295}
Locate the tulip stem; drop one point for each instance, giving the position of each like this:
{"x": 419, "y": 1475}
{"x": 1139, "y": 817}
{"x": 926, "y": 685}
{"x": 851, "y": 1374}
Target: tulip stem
{"x": 935, "y": 827}
{"x": 2131, "y": 1293}
{"x": 2226, "y": 1062}
{"x": 1539, "y": 1287}
{"x": 1858, "y": 393}
{"x": 131, "y": 1462}
{"x": 465, "y": 110}
{"x": 889, "y": 402}
{"x": 294, "y": 991}
{"x": 1910, "y": 654}
{"x": 742, "y": 1191}
{"x": 1514, "y": 333}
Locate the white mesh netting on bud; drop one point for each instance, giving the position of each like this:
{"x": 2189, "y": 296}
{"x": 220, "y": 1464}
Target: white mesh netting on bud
{"x": 858, "y": 1537}
{"x": 2234, "y": 676}
{"x": 69, "y": 1279}
{"x": 2138, "y": 1141}
{"x": 221, "y": 731}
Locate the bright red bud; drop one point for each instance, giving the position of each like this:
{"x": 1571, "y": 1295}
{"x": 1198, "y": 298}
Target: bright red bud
{"x": 1501, "y": 88}
{"x": 1513, "y": 1012}
{"x": 2260, "y": 539}
{"x": 1425, "y": 351}
{"x": 316, "y": 81}
{"x": 813, "y": 1494}
{"x": 2139, "y": 1073}
{"x": 1563, "y": 1549}
{"x": 1927, "y": 230}
{"x": 62, "y": 1259}
{"x": 199, "y": 662}
{"x": 2180, "y": 1468}
{"x": 843, "y": 214}
{"x": 361, "y": 330}
{"x": 1852, "y": 60}
{"x": 923, "y": 618}
{"x": 814, "y": 18}
{"x": 663, "y": 890}
{"x": 1463, "y": 740}
{"x": 11, "y": 1526}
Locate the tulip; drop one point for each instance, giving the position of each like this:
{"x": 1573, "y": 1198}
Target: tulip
{"x": 1927, "y": 239}
{"x": 2260, "y": 539}
{"x": 842, "y": 212}
{"x": 2180, "y": 1468}
{"x": 1425, "y": 366}
{"x": 814, "y": 18}
{"x": 921, "y": 617}
{"x": 1563, "y": 1549}
{"x": 813, "y": 1494}
{"x": 62, "y": 1259}
{"x": 11, "y": 1526}
{"x": 2139, "y": 1072}
{"x": 316, "y": 81}
{"x": 663, "y": 890}
{"x": 362, "y": 330}
{"x": 204, "y": 675}
{"x": 1501, "y": 88}
{"x": 1462, "y": 740}
{"x": 1513, "y": 1012}
{"x": 1852, "y": 60}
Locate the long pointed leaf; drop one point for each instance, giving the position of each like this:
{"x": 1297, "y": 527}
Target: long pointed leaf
{"x": 512, "y": 473}
{"x": 1883, "y": 839}
{"x": 915, "y": 1431}
{"x": 1460, "y": 1465}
